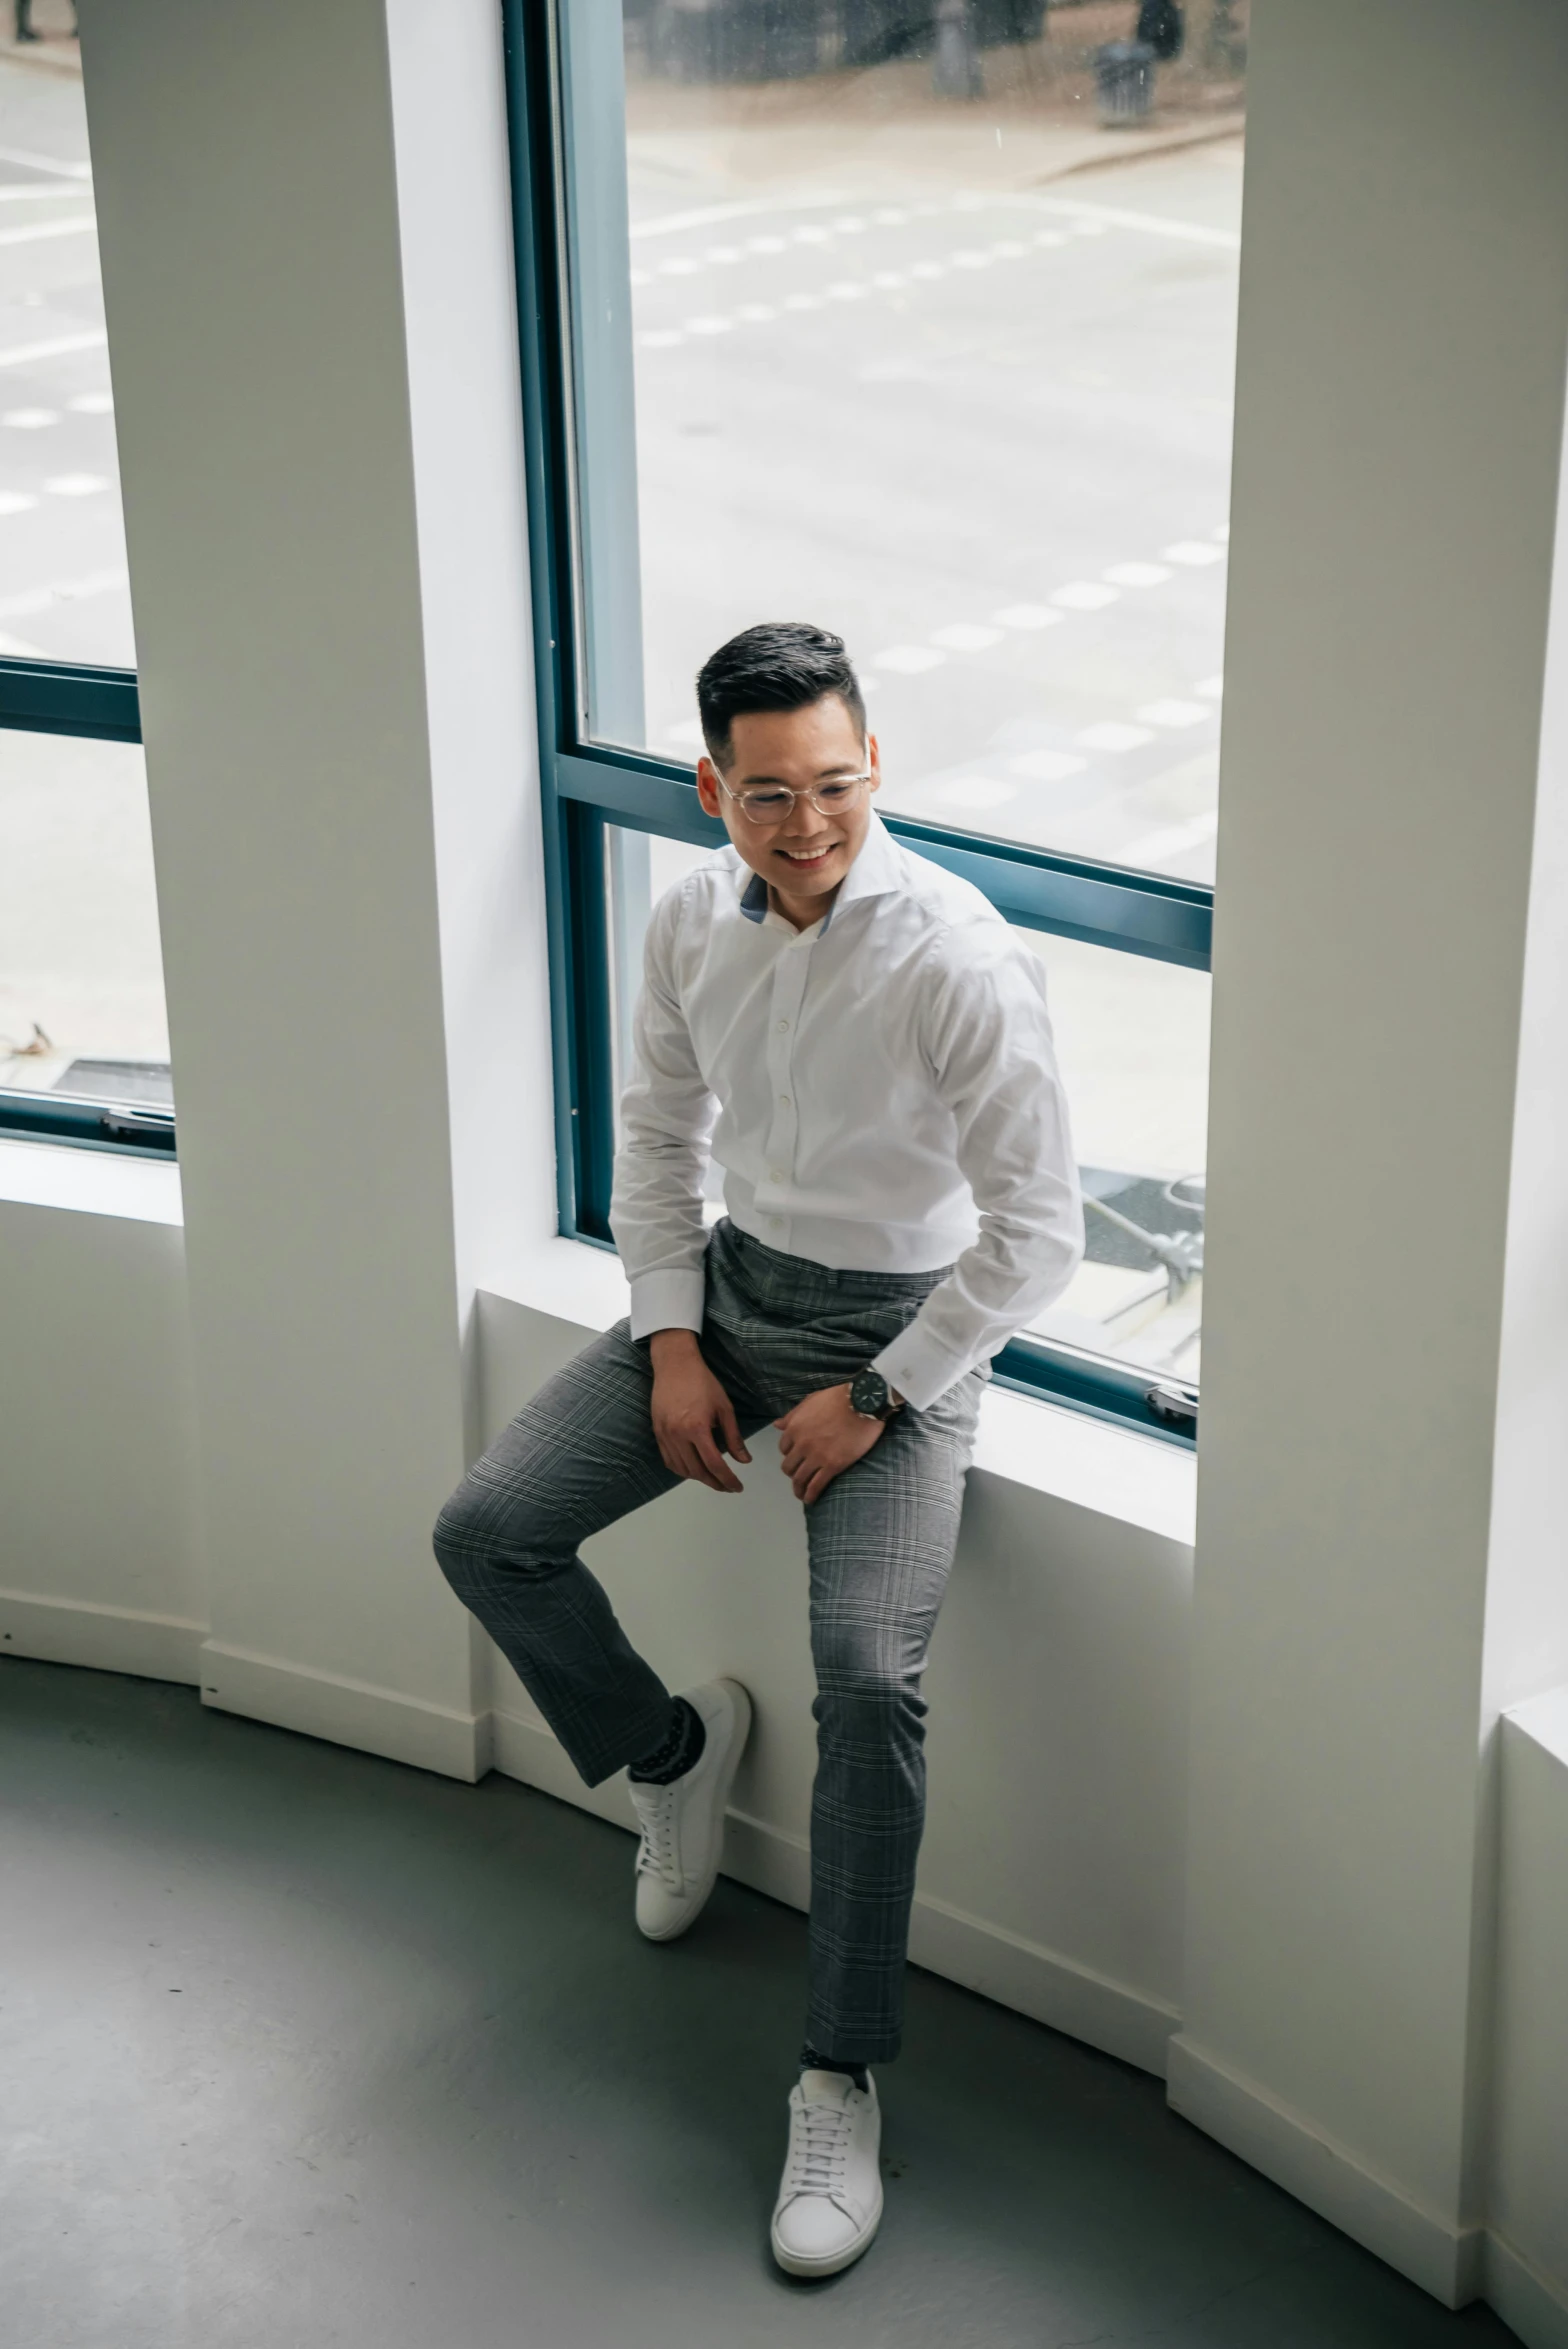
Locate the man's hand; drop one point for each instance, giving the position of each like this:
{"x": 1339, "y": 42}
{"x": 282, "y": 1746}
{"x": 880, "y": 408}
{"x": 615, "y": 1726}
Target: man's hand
{"x": 822, "y": 1437}
{"x": 694, "y": 1420}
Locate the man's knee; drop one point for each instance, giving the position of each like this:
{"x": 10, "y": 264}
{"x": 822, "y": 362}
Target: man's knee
{"x": 479, "y": 1542}
{"x": 868, "y": 1679}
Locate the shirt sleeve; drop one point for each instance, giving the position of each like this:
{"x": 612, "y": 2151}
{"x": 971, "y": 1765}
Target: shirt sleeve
{"x": 991, "y": 1048}
{"x": 667, "y": 1115}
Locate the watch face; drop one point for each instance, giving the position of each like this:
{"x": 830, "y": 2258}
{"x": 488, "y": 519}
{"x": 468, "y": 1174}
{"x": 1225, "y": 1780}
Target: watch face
{"x": 868, "y": 1394}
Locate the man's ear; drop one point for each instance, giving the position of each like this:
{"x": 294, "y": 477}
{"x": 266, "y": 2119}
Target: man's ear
{"x": 708, "y": 787}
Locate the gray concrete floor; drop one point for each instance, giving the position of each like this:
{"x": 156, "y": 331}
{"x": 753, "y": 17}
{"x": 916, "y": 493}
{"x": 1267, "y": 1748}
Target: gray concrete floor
{"x": 305, "y": 2048}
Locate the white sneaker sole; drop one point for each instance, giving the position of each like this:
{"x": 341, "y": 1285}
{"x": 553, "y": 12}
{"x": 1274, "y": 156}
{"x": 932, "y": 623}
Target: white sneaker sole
{"x": 739, "y": 1734}
{"x": 836, "y": 2261}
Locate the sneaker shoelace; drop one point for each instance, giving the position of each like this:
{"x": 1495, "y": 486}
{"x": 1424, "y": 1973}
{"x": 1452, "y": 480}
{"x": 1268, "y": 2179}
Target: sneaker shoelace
{"x": 819, "y": 2149}
{"x": 656, "y": 1855}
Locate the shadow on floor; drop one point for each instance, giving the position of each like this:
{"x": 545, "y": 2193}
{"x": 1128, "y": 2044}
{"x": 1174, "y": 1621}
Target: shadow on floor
{"x": 306, "y": 2048}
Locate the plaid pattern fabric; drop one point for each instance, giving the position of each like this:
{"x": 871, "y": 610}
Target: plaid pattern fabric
{"x": 880, "y": 1543}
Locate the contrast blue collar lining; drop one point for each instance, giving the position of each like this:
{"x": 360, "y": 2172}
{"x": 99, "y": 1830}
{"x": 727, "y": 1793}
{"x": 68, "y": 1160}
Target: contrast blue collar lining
{"x": 873, "y": 872}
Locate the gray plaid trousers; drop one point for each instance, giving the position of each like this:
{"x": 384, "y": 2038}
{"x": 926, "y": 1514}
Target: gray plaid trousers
{"x": 880, "y": 1543}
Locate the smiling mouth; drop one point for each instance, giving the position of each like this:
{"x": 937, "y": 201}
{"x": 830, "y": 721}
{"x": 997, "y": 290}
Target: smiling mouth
{"x": 805, "y": 860}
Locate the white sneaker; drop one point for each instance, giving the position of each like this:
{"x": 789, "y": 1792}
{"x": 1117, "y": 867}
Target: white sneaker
{"x": 683, "y": 1823}
{"x": 830, "y": 2201}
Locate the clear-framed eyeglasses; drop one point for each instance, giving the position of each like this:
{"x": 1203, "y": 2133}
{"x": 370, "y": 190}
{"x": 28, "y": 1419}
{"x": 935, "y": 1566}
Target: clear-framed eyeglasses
{"x": 771, "y": 804}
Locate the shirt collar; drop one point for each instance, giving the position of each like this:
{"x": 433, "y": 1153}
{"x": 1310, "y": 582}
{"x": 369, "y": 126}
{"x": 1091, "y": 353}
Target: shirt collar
{"x": 874, "y": 873}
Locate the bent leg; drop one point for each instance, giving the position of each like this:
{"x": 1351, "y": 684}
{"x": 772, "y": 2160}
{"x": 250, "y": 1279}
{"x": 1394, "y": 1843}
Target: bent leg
{"x": 881, "y": 1540}
{"x": 581, "y": 1455}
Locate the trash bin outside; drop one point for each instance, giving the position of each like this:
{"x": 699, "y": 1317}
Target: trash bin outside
{"x": 1124, "y": 81}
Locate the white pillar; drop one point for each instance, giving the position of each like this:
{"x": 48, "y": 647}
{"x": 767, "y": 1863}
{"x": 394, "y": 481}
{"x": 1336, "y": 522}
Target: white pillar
{"x": 320, "y": 438}
{"x": 1382, "y": 1479}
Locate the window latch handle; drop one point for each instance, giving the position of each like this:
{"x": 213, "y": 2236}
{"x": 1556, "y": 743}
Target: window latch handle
{"x": 1175, "y": 1406}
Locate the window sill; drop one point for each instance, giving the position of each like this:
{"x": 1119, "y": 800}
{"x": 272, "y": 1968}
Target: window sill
{"x": 89, "y": 1182}
{"x": 1046, "y": 1447}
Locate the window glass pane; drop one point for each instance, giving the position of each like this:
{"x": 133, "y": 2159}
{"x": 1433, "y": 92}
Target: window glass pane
{"x": 857, "y": 338}
{"x": 81, "y": 978}
{"x": 63, "y": 591}
{"x": 1132, "y": 1039}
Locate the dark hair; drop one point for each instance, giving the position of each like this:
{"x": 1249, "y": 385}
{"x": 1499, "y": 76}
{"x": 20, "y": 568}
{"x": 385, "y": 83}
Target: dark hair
{"x": 781, "y": 665}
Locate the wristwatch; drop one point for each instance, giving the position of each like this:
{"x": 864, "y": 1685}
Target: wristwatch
{"x": 872, "y": 1397}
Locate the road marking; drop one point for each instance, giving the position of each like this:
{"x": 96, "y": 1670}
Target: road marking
{"x": 54, "y": 163}
{"x": 660, "y": 338}
{"x": 1027, "y": 616}
{"x": 964, "y": 636}
{"x": 25, "y": 192}
{"x": 1193, "y": 551}
{"x": 975, "y": 791}
{"x": 707, "y": 326}
{"x": 62, "y": 591}
{"x": 1047, "y": 766}
{"x": 710, "y": 215}
{"x": 40, "y": 229}
{"x": 1093, "y": 217}
{"x": 1211, "y": 688}
{"x": 13, "y": 502}
{"x": 890, "y": 216}
{"x": 908, "y": 659}
{"x": 76, "y": 485}
{"x": 22, "y": 354}
{"x": 1139, "y": 574}
{"x": 30, "y": 419}
{"x": 846, "y": 291}
{"x": 722, "y": 255}
{"x": 766, "y": 245}
{"x": 928, "y": 269}
{"x": 1084, "y": 595}
{"x": 92, "y": 404}
{"x": 678, "y": 266}
{"x": 1174, "y": 840}
{"x": 1113, "y": 734}
{"x": 1173, "y": 713}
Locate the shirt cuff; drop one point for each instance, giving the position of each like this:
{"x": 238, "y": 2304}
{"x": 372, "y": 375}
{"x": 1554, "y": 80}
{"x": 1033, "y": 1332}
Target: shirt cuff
{"x": 667, "y": 1300}
{"x": 919, "y": 1368}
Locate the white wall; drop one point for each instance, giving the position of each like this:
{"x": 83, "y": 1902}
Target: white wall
{"x": 1527, "y": 2258}
{"x": 100, "y": 1553}
{"x": 1379, "y": 1536}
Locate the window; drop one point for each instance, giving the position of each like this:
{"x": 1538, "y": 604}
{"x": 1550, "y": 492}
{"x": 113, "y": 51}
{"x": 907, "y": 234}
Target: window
{"x": 84, "y": 1052}
{"x": 827, "y": 320}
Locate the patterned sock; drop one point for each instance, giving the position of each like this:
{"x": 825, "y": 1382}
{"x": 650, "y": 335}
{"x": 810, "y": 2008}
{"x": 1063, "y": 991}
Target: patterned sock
{"x": 810, "y": 2061}
{"x": 681, "y": 1750}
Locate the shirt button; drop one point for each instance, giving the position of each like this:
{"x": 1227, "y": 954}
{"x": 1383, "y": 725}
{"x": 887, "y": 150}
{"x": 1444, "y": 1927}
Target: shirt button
{"x": 775, "y": 1223}
{"x": 783, "y": 1025}
{"x": 775, "y": 1174}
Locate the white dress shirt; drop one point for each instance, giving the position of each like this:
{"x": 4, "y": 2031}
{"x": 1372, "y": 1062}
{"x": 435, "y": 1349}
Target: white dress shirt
{"x": 880, "y": 1091}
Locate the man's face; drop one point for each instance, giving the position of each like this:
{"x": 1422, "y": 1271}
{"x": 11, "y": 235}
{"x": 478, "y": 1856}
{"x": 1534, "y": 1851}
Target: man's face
{"x": 808, "y": 854}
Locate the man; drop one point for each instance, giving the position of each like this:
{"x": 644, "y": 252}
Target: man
{"x": 858, "y": 1041}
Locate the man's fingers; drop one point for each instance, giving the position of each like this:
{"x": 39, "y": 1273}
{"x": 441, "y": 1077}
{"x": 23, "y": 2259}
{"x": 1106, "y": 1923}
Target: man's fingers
{"x": 720, "y": 1474}
{"x": 729, "y": 1427}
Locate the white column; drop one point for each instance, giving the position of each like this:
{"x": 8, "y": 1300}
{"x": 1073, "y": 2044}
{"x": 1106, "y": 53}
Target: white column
{"x": 1382, "y": 1479}
{"x": 320, "y": 438}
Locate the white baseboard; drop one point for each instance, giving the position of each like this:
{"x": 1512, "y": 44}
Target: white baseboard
{"x": 1531, "y": 2304}
{"x": 105, "y": 1639}
{"x": 1444, "y": 2259}
{"x": 345, "y": 1712}
{"x": 984, "y": 1957}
